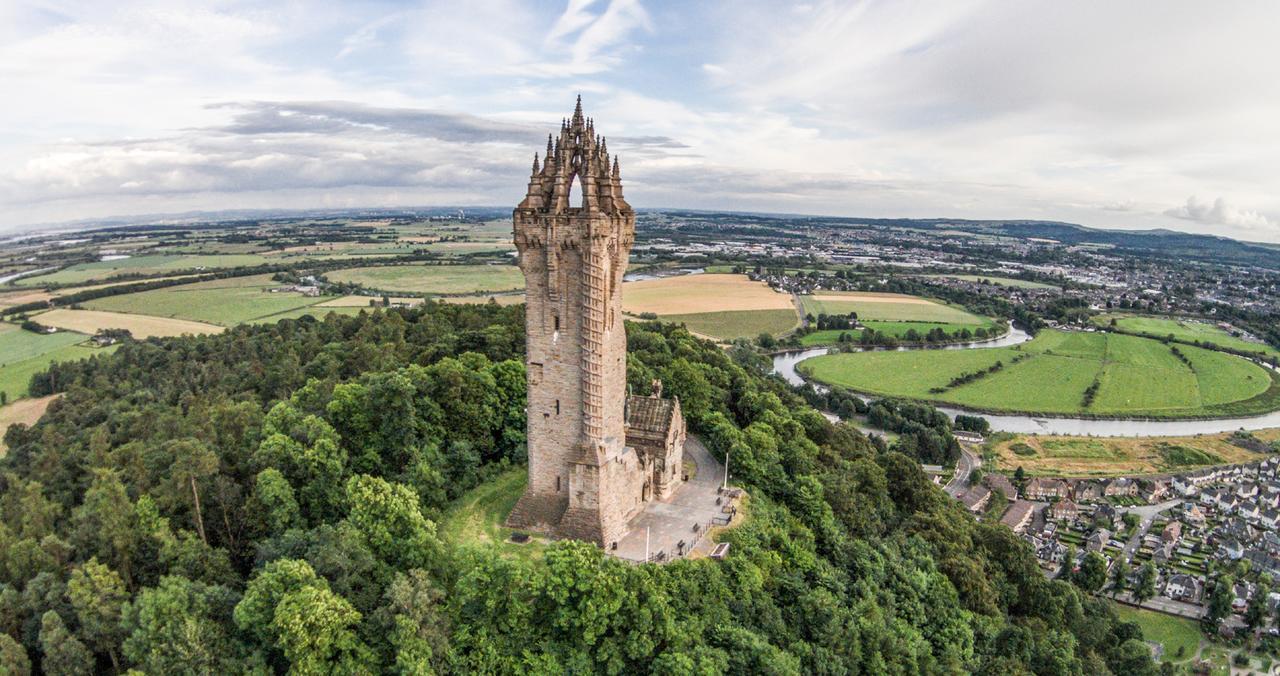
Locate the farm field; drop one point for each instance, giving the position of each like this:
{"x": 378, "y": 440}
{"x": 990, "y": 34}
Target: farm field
{"x": 999, "y": 281}
{"x": 25, "y": 411}
{"x": 723, "y": 306}
{"x": 140, "y": 326}
{"x": 1179, "y": 635}
{"x": 317, "y": 311}
{"x": 143, "y": 265}
{"x": 692, "y": 294}
{"x": 433, "y": 279}
{"x": 364, "y": 301}
{"x": 1065, "y": 456}
{"x": 887, "y": 307}
{"x": 895, "y": 329}
{"x": 738, "y": 323}
{"x": 500, "y": 299}
{"x": 225, "y": 302}
{"x": 23, "y": 354}
{"x": 1185, "y": 329}
{"x": 1135, "y": 376}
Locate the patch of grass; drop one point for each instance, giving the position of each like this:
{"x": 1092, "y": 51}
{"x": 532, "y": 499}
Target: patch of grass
{"x": 475, "y": 519}
{"x": 1183, "y": 456}
{"x": 1022, "y": 449}
{"x": 433, "y": 279}
{"x": 1137, "y": 377}
{"x": 737, "y": 324}
{"x": 24, "y": 354}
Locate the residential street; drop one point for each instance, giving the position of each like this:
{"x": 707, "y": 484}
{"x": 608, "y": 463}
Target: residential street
{"x": 965, "y": 465}
{"x": 1148, "y": 514}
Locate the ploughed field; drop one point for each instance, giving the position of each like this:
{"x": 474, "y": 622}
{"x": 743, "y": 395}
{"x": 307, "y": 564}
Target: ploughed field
{"x": 1054, "y": 372}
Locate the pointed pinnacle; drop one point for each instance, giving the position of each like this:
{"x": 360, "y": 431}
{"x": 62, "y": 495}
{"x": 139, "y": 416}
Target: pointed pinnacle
{"x": 577, "y": 109}
{"x": 535, "y": 163}
{"x": 616, "y": 173}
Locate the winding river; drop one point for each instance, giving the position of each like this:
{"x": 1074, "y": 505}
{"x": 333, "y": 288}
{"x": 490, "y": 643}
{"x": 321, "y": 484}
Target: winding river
{"x": 784, "y": 364}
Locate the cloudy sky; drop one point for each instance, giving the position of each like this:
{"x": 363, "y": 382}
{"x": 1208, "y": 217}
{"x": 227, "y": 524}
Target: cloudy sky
{"x": 1109, "y": 114}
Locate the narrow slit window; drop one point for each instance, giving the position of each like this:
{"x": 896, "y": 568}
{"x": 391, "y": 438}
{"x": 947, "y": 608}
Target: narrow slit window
{"x": 557, "y": 318}
{"x": 557, "y": 407}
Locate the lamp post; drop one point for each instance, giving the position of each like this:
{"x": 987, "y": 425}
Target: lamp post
{"x": 726, "y": 471}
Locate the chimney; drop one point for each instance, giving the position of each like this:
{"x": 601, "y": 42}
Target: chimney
{"x": 655, "y": 388}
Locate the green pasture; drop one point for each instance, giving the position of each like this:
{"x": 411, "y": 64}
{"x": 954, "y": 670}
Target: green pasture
{"x": 737, "y": 323}
{"x": 1188, "y": 330}
{"x": 226, "y": 302}
{"x": 999, "y": 281}
{"x": 909, "y": 309}
{"x": 895, "y": 329}
{"x": 144, "y": 265}
{"x": 24, "y": 354}
{"x": 433, "y": 279}
{"x": 1136, "y": 376}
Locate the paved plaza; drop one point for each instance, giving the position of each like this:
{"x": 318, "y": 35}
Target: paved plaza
{"x": 670, "y": 522}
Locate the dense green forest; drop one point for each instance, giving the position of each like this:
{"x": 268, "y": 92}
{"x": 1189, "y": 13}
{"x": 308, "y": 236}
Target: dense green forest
{"x": 264, "y": 500}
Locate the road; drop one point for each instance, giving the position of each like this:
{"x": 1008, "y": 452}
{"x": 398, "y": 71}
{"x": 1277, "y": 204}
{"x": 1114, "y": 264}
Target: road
{"x": 1148, "y": 514}
{"x": 965, "y": 465}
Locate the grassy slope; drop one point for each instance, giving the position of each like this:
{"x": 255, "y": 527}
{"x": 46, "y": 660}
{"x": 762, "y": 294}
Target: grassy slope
{"x": 1138, "y": 377}
{"x": 476, "y": 518}
{"x": 23, "y": 354}
{"x": 434, "y": 279}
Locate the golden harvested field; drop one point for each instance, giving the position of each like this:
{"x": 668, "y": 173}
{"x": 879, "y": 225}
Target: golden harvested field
{"x": 691, "y": 294}
{"x": 22, "y": 297}
{"x": 25, "y": 411}
{"x": 141, "y": 326}
{"x": 363, "y": 301}
{"x": 1066, "y": 456}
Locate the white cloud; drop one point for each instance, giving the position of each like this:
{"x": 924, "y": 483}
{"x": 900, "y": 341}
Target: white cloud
{"x": 1220, "y": 213}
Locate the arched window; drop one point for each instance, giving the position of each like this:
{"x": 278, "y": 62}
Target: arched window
{"x": 575, "y": 192}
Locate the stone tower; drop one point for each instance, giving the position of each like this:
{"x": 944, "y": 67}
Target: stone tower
{"x": 574, "y": 233}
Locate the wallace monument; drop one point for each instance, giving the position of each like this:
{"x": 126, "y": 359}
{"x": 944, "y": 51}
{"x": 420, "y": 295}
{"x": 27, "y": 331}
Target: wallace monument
{"x": 596, "y": 455}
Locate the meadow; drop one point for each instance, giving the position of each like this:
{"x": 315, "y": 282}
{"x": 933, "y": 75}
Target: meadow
{"x": 1070, "y": 456}
{"x": 887, "y": 307}
{"x": 1188, "y": 330}
{"x": 721, "y": 306}
{"x": 433, "y": 279}
{"x": 1136, "y": 377}
{"x": 225, "y": 302}
{"x": 150, "y": 264}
